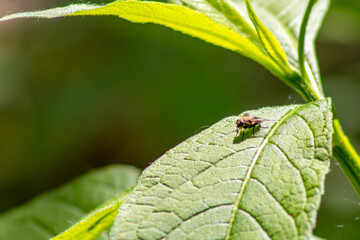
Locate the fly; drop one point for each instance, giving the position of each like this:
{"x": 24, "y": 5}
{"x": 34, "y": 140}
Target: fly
{"x": 248, "y": 121}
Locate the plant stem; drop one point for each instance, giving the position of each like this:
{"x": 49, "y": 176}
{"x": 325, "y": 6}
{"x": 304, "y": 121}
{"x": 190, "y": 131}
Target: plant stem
{"x": 343, "y": 150}
{"x": 301, "y": 53}
{"x": 346, "y": 155}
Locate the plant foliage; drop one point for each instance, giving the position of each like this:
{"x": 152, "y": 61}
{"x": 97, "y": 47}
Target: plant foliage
{"x": 264, "y": 184}
{"x": 214, "y": 187}
{"x": 269, "y": 34}
{"x": 50, "y": 214}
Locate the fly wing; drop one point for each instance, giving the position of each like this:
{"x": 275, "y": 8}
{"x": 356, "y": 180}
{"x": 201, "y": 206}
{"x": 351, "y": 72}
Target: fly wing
{"x": 258, "y": 119}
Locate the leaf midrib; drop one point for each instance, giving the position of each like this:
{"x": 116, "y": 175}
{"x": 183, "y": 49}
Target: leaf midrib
{"x": 252, "y": 165}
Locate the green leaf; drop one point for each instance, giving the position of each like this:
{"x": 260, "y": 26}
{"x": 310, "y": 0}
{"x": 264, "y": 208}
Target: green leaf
{"x": 225, "y": 13}
{"x": 283, "y": 19}
{"x": 216, "y": 186}
{"x": 51, "y": 213}
{"x": 95, "y": 223}
{"x": 177, "y": 17}
{"x": 226, "y": 23}
{"x": 270, "y": 43}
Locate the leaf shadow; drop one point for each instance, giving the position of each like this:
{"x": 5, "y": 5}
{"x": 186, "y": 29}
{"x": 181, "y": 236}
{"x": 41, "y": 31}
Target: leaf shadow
{"x": 246, "y": 134}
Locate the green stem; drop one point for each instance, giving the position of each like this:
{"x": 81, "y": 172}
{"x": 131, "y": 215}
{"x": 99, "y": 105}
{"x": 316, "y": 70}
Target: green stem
{"x": 343, "y": 151}
{"x": 346, "y": 156}
{"x": 307, "y": 92}
{"x": 301, "y": 53}
{"x": 304, "y": 67}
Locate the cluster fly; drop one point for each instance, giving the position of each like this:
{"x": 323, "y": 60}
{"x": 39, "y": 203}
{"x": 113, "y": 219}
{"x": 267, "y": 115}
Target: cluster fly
{"x": 248, "y": 121}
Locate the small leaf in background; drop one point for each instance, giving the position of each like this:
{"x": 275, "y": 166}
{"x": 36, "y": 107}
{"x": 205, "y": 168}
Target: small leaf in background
{"x": 95, "y": 223}
{"x": 211, "y": 187}
{"x": 52, "y": 213}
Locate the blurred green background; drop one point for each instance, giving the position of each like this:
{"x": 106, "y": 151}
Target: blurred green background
{"x": 81, "y": 93}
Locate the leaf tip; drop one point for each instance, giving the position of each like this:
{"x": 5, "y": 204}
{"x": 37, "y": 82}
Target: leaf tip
{"x": 51, "y": 13}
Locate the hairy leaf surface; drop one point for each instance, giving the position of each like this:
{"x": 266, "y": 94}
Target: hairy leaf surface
{"x": 216, "y": 186}
{"x": 49, "y": 214}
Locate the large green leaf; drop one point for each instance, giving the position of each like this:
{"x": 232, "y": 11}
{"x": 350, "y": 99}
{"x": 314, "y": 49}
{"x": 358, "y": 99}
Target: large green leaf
{"x": 174, "y": 16}
{"x": 226, "y": 23}
{"x": 282, "y": 17}
{"x": 52, "y": 213}
{"x": 216, "y": 186}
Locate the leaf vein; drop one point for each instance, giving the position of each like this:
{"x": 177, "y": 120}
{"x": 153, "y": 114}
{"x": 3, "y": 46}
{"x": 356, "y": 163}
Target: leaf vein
{"x": 256, "y": 220}
{"x": 252, "y": 165}
{"x": 272, "y": 195}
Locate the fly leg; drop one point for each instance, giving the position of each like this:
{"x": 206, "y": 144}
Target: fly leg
{"x": 260, "y": 127}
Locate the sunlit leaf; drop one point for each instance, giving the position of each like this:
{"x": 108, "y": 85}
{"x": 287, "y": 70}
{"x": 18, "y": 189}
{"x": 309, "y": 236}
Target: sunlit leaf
{"x": 226, "y": 23}
{"x": 261, "y": 185}
{"x": 177, "y": 17}
{"x": 95, "y": 223}
{"x": 270, "y": 43}
{"x": 283, "y": 18}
